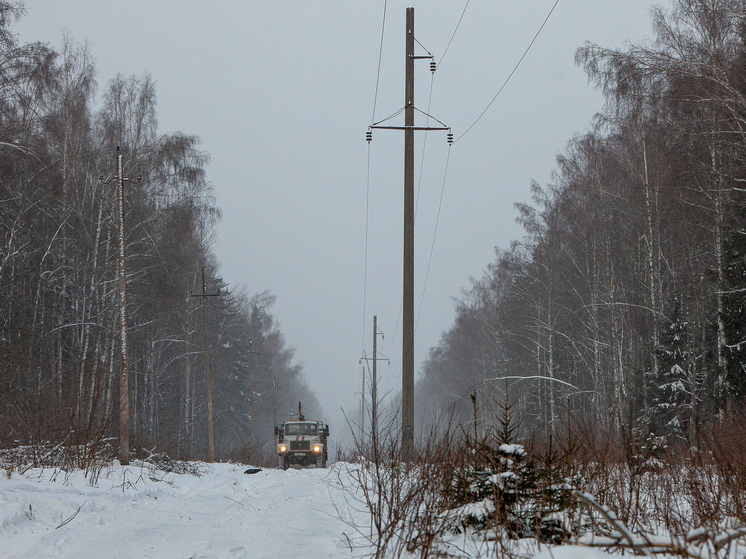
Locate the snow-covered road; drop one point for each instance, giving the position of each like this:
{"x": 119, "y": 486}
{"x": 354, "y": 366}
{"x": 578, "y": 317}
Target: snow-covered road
{"x": 137, "y": 512}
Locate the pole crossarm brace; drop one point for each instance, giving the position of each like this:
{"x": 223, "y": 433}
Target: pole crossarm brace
{"x": 383, "y": 358}
{"x": 377, "y": 125}
{"x": 408, "y": 128}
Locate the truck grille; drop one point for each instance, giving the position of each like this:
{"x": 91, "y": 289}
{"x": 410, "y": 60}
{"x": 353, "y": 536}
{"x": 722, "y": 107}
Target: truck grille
{"x": 300, "y": 445}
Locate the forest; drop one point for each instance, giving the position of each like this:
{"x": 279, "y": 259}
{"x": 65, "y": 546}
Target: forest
{"x": 60, "y": 133}
{"x": 624, "y": 304}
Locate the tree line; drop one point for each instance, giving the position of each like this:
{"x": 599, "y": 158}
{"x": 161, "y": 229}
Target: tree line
{"x": 624, "y": 305}
{"x": 59, "y": 344}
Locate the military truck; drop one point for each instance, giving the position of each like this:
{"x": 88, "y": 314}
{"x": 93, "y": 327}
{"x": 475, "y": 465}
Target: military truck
{"x": 302, "y": 442}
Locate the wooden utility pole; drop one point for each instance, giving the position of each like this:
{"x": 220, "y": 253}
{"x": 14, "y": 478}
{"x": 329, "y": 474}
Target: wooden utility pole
{"x": 274, "y": 404}
{"x": 208, "y": 377}
{"x": 251, "y": 398}
{"x": 374, "y": 388}
{"x": 124, "y": 392}
{"x": 362, "y": 411}
{"x": 409, "y": 128}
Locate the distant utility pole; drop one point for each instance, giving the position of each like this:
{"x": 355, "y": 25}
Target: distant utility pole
{"x": 408, "y": 287}
{"x": 362, "y": 411}
{"x": 274, "y": 403}
{"x": 251, "y": 399}
{"x": 208, "y": 377}
{"x": 374, "y": 386}
{"x": 124, "y": 392}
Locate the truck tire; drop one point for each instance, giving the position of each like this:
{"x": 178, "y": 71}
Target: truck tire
{"x": 320, "y": 462}
{"x": 281, "y": 462}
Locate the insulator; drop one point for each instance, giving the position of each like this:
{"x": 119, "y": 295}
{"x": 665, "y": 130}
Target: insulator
{"x": 450, "y": 138}
{"x": 368, "y": 136}
{"x": 432, "y": 66}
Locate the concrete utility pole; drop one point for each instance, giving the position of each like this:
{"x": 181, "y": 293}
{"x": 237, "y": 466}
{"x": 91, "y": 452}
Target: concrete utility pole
{"x": 124, "y": 392}
{"x": 409, "y": 128}
{"x": 208, "y": 377}
{"x": 407, "y": 391}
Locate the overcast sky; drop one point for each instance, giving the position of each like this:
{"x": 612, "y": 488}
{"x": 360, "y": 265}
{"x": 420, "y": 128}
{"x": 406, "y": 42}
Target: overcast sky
{"x": 282, "y": 93}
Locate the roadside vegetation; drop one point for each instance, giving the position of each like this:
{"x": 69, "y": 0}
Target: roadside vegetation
{"x": 60, "y": 133}
{"x": 505, "y": 491}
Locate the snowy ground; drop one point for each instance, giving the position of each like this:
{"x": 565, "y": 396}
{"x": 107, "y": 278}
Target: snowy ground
{"x": 223, "y": 513}
{"x": 142, "y": 512}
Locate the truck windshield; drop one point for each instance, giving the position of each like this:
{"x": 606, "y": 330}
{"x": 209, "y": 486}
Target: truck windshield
{"x": 308, "y": 429}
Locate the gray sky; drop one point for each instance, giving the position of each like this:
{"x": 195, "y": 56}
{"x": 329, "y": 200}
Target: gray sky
{"x": 281, "y": 94}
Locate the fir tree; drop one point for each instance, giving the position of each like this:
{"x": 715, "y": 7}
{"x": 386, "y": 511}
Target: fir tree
{"x": 672, "y": 394}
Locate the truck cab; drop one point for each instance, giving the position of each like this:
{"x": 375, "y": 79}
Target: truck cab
{"x": 302, "y": 442}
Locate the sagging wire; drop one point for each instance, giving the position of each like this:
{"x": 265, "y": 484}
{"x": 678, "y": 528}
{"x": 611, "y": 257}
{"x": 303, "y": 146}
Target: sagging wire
{"x": 435, "y": 232}
{"x": 380, "y": 57}
{"x": 367, "y": 186}
{"x": 454, "y": 33}
{"x": 424, "y": 147}
{"x": 365, "y": 279}
{"x": 511, "y": 73}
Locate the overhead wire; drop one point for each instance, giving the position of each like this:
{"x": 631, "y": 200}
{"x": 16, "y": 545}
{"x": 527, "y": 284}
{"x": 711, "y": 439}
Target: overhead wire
{"x": 380, "y": 57}
{"x": 365, "y": 278}
{"x": 435, "y": 232}
{"x": 419, "y": 187}
{"x": 445, "y": 173}
{"x": 454, "y": 33}
{"x": 424, "y": 147}
{"x": 511, "y": 73}
{"x": 367, "y": 186}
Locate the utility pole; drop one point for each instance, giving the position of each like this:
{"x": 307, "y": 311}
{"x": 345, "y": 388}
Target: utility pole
{"x": 362, "y": 411}
{"x": 274, "y": 405}
{"x": 374, "y": 388}
{"x": 409, "y": 128}
{"x": 124, "y": 391}
{"x": 407, "y": 392}
{"x": 208, "y": 377}
{"x": 251, "y": 398}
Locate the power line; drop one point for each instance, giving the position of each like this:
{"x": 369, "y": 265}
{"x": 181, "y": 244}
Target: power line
{"x": 367, "y": 185}
{"x": 511, "y": 73}
{"x": 367, "y": 213}
{"x": 380, "y": 56}
{"x": 432, "y": 246}
{"x": 424, "y": 147}
{"x": 454, "y": 33}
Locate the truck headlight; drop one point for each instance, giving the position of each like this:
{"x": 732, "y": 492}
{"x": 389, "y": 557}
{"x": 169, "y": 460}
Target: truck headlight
{"x": 317, "y": 448}
{"x": 283, "y": 448}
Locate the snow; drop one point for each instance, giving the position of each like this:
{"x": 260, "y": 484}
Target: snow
{"x": 571, "y": 552}
{"x": 516, "y": 449}
{"x": 142, "y": 512}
